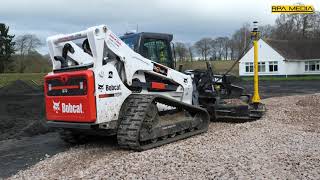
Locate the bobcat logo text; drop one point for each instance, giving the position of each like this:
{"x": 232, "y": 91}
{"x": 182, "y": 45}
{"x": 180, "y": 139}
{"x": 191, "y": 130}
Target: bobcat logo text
{"x": 67, "y": 108}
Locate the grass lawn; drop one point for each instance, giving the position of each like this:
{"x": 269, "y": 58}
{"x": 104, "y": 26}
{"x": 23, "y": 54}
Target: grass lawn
{"x": 282, "y": 78}
{"x": 7, "y": 78}
{"x": 219, "y": 67}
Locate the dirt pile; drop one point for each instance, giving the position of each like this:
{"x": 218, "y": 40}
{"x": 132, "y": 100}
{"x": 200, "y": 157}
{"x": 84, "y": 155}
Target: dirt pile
{"x": 279, "y": 146}
{"x": 21, "y": 110}
{"x": 20, "y": 87}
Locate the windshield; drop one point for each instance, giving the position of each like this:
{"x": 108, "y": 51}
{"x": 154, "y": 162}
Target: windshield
{"x": 131, "y": 40}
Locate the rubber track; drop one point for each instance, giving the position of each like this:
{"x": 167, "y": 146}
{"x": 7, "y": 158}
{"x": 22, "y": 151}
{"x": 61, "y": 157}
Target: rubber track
{"x": 133, "y": 114}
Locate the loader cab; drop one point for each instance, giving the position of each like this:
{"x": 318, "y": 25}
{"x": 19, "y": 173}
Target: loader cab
{"x": 153, "y": 46}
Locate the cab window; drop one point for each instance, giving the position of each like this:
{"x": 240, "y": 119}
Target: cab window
{"x": 157, "y": 50}
{"x": 131, "y": 41}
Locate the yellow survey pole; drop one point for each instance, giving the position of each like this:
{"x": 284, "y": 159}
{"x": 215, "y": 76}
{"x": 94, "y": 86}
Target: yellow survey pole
{"x": 255, "y": 37}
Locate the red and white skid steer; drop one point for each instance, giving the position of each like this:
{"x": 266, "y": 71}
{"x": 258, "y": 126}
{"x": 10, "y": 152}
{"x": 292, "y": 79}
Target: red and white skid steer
{"x": 105, "y": 85}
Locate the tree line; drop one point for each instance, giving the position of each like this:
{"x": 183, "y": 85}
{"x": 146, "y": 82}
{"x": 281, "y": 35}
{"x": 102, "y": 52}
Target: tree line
{"x": 286, "y": 27}
{"x": 19, "y": 54}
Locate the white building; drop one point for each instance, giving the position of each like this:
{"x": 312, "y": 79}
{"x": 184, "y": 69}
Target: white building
{"x": 283, "y": 57}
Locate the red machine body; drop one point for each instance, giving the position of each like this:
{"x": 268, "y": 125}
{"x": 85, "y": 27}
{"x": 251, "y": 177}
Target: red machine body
{"x": 70, "y": 96}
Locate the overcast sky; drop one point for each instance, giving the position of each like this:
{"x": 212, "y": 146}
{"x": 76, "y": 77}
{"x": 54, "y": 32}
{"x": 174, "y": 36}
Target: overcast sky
{"x": 188, "y": 20}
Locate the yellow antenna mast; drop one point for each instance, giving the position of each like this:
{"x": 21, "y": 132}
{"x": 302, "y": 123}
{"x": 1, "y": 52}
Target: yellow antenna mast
{"x": 255, "y": 35}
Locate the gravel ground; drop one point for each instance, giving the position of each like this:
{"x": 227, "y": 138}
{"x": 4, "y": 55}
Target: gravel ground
{"x": 283, "y": 144}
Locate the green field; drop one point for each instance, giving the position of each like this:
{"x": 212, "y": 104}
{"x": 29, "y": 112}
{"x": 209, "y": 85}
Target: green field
{"x": 283, "y": 78}
{"x": 7, "y": 78}
{"x": 219, "y": 67}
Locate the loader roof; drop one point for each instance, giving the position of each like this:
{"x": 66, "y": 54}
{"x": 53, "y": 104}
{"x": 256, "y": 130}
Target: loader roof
{"x": 168, "y": 37}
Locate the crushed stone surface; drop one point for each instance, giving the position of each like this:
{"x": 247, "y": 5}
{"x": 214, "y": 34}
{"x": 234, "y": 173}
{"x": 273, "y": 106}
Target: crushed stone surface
{"x": 284, "y": 144}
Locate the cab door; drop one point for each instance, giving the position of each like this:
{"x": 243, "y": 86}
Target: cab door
{"x": 157, "y": 50}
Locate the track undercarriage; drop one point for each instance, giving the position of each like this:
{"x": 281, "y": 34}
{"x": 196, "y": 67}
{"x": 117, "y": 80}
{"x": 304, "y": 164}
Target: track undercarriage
{"x": 143, "y": 127}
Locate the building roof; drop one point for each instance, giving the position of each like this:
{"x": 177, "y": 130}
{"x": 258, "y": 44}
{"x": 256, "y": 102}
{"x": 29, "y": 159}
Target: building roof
{"x": 296, "y": 49}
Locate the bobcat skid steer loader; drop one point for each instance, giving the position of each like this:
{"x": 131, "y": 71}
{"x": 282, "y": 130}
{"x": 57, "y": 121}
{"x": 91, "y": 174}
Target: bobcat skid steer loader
{"x": 128, "y": 87}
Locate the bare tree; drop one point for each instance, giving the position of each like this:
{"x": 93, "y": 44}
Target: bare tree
{"x": 241, "y": 40}
{"x": 21, "y": 45}
{"x": 297, "y": 26}
{"x": 27, "y": 43}
{"x": 34, "y": 43}
{"x": 315, "y": 19}
{"x": 231, "y": 49}
{"x": 266, "y": 31}
{"x": 181, "y": 51}
{"x": 190, "y": 51}
{"x": 222, "y": 47}
{"x": 286, "y": 27}
{"x": 214, "y": 49}
{"x": 203, "y": 47}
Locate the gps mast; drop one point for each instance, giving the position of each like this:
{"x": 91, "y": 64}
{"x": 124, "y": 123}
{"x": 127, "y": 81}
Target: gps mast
{"x": 255, "y": 35}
